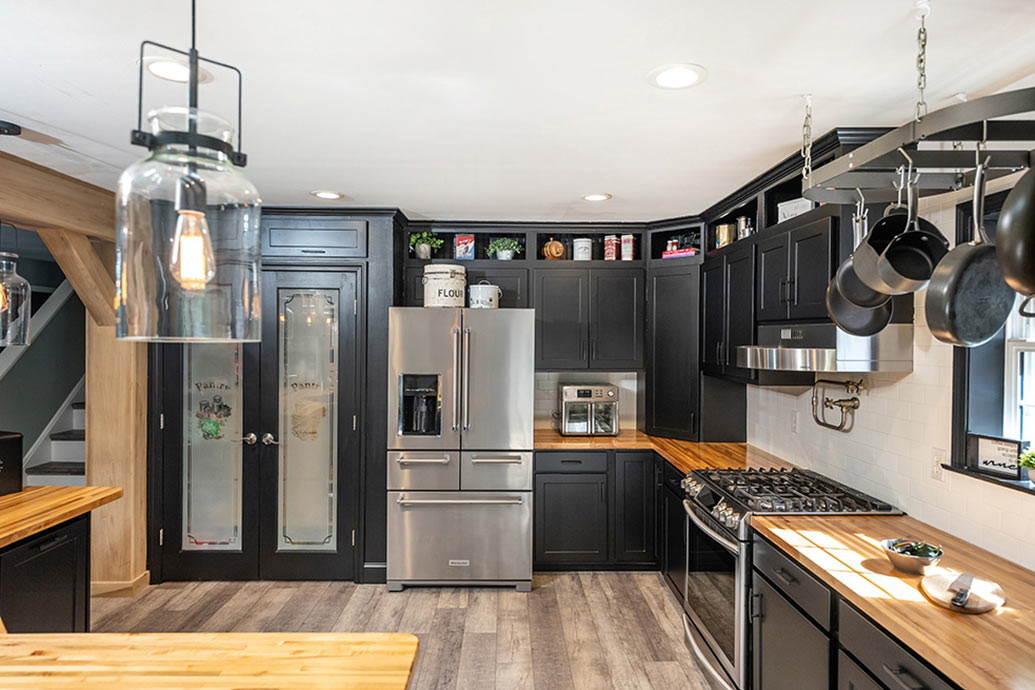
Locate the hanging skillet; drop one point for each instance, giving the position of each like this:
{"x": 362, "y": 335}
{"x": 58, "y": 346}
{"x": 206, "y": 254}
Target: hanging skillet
{"x": 967, "y": 300}
{"x": 1015, "y": 240}
{"x": 849, "y": 315}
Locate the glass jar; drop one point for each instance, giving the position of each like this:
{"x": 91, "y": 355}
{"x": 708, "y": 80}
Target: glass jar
{"x": 187, "y": 249}
{"x": 15, "y": 303}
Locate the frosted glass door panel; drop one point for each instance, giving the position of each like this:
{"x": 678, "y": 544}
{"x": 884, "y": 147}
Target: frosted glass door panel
{"x": 307, "y": 482}
{"x": 212, "y": 448}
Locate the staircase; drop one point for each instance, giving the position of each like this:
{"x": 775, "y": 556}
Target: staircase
{"x": 62, "y": 461}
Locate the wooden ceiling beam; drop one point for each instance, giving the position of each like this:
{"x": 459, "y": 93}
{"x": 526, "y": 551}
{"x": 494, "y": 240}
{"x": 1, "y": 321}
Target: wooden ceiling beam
{"x": 38, "y": 198}
{"x": 84, "y": 269}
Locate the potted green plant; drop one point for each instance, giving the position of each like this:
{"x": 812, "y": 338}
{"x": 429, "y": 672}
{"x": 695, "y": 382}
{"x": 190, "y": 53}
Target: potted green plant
{"x": 1027, "y": 463}
{"x": 425, "y": 242}
{"x": 504, "y": 248}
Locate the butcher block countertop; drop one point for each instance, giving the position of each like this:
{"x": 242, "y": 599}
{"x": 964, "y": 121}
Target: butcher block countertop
{"x": 37, "y": 508}
{"x": 990, "y": 650}
{"x": 378, "y": 661}
{"x": 685, "y": 455}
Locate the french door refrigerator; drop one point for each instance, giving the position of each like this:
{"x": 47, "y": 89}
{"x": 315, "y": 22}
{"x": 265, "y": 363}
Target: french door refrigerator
{"x": 460, "y": 407}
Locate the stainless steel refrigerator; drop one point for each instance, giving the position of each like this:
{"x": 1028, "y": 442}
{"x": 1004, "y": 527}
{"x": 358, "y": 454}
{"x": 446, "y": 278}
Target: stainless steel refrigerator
{"x": 460, "y": 407}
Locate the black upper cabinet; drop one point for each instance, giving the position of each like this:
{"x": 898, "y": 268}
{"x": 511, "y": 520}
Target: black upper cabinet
{"x": 794, "y": 269}
{"x": 561, "y": 318}
{"x": 634, "y": 506}
{"x": 673, "y": 311}
{"x": 589, "y": 318}
{"x": 313, "y": 236}
{"x": 616, "y": 319}
{"x": 727, "y": 311}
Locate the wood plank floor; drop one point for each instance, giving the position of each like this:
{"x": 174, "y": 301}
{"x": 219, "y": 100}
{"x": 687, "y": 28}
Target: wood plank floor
{"x": 574, "y": 631}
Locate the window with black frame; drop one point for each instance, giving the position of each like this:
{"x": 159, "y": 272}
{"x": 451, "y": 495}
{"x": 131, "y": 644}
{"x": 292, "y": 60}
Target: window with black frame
{"x": 994, "y": 388}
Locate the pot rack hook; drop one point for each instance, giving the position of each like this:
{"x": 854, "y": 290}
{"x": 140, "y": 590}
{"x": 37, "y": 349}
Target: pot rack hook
{"x": 981, "y": 145}
{"x": 860, "y": 206}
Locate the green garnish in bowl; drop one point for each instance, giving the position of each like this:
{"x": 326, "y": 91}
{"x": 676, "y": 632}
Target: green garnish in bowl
{"x": 920, "y": 549}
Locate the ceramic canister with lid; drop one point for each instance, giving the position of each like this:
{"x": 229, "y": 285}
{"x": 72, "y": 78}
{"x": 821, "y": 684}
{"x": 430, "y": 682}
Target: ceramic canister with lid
{"x": 484, "y": 295}
{"x": 444, "y": 285}
{"x": 582, "y": 249}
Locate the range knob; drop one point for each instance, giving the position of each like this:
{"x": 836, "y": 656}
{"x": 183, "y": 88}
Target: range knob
{"x": 732, "y": 518}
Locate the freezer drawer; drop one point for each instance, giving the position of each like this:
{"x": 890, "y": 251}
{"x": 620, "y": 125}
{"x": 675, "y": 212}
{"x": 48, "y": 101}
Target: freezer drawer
{"x": 495, "y": 471}
{"x": 431, "y": 470}
{"x": 452, "y": 535}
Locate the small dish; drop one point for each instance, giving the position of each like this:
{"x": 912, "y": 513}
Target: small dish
{"x": 908, "y": 563}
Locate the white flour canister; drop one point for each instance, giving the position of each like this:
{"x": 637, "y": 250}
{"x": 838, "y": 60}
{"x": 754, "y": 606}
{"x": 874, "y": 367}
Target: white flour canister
{"x": 444, "y": 285}
{"x": 485, "y": 295}
{"x": 582, "y": 249}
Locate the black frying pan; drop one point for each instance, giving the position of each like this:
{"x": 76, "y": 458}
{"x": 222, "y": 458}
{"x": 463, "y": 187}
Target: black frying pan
{"x": 1015, "y": 238}
{"x": 967, "y": 299}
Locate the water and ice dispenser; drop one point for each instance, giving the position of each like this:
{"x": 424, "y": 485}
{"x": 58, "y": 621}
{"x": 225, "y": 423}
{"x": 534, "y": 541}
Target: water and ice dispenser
{"x": 420, "y": 408}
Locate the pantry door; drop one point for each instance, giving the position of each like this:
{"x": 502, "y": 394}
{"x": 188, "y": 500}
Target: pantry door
{"x": 260, "y": 441}
{"x": 309, "y": 431}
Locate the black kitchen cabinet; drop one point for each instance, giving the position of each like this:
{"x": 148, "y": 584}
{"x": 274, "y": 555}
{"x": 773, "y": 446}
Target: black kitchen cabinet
{"x": 789, "y": 652}
{"x": 616, "y": 319}
{"x": 673, "y": 369}
{"x": 313, "y": 236}
{"x": 673, "y": 565}
{"x": 794, "y": 269}
{"x": 634, "y": 507}
{"x": 561, "y": 318}
{"x": 589, "y": 318}
{"x": 45, "y": 580}
{"x": 727, "y": 311}
{"x": 570, "y": 518}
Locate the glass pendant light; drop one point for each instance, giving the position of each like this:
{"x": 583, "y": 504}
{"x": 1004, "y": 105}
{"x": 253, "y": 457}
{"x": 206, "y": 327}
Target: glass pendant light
{"x": 15, "y": 302}
{"x": 187, "y": 220}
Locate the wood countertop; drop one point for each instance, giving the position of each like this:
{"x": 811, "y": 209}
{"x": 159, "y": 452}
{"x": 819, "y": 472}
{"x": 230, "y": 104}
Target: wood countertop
{"x": 685, "y": 455}
{"x": 37, "y": 508}
{"x": 991, "y": 650}
{"x": 378, "y": 661}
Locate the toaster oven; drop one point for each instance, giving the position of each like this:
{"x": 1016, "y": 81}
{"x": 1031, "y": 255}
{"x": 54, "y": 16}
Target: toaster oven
{"x": 589, "y": 409}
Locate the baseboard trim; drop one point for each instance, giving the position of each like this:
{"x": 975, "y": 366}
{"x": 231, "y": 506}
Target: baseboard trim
{"x": 129, "y": 588}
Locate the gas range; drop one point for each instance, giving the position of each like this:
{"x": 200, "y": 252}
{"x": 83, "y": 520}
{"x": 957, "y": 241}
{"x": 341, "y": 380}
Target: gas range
{"x": 729, "y": 496}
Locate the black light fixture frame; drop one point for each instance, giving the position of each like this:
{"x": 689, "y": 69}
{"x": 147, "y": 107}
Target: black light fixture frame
{"x": 139, "y": 137}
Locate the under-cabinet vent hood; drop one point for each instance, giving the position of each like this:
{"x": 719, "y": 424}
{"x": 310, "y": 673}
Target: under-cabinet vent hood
{"x": 825, "y": 347}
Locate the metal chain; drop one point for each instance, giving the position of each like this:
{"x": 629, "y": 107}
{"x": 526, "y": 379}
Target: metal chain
{"x": 806, "y": 140}
{"x": 921, "y": 70}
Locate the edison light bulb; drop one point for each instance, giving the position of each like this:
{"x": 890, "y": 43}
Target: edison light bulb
{"x": 193, "y": 264}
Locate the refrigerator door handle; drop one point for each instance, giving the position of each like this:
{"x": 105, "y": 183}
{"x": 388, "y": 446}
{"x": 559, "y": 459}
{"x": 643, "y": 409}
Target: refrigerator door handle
{"x": 458, "y": 502}
{"x": 456, "y": 378}
{"x": 467, "y": 378}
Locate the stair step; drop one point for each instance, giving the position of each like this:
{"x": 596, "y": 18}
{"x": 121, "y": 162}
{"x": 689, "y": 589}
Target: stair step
{"x": 57, "y": 468}
{"x": 79, "y": 406}
{"x": 69, "y": 435}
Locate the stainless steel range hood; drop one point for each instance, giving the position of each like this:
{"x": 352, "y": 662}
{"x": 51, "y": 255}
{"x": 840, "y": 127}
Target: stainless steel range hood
{"x": 823, "y": 347}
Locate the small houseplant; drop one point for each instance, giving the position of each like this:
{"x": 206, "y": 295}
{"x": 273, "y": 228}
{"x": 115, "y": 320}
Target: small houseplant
{"x": 423, "y": 243}
{"x": 1027, "y": 463}
{"x": 504, "y": 248}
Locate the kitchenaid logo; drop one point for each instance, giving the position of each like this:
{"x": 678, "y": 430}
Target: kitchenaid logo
{"x": 308, "y": 385}
{"x": 459, "y": 563}
{"x": 211, "y": 385}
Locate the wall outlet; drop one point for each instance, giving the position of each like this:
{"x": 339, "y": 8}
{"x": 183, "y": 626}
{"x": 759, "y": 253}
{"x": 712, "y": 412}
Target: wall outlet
{"x": 794, "y": 422}
{"x": 937, "y": 460}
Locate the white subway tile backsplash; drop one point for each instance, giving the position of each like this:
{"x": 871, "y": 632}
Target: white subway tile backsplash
{"x": 888, "y": 453}
{"x": 546, "y": 402}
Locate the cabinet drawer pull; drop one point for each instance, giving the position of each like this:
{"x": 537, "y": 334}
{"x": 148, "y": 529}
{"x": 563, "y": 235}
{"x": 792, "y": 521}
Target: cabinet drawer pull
{"x": 496, "y": 461}
{"x": 314, "y": 251}
{"x": 785, "y": 576}
{"x": 903, "y": 678}
{"x": 573, "y": 462}
{"x": 51, "y": 543}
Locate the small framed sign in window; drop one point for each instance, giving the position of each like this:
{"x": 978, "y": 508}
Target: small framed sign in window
{"x": 994, "y": 456}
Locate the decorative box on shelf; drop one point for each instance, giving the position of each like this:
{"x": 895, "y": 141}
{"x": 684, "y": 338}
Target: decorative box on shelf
{"x": 676, "y": 253}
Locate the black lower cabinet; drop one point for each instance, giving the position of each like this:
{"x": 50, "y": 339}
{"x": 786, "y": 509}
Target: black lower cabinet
{"x": 673, "y": 565}
{"x": 851, "y": 677}
{"x": 45, "y": 580}
{"x": 570, "y": 518}
{"x": 634, "y": 507}
{"x": 789, "y": 652}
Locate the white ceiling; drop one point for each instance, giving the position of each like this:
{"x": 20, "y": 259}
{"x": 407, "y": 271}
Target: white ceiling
{"x": 464, "y": 109}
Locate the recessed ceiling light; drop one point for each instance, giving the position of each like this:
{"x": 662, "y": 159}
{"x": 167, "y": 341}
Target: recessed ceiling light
{"x": 677, "y": 76}
{"x": 596, "y": 197}
{"x": 326, "y": 194}
{"x": 173, "y": 69}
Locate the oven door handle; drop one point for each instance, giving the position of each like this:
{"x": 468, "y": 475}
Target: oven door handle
{"x": 701, "y": 658}
{"x": 731, "y": 546}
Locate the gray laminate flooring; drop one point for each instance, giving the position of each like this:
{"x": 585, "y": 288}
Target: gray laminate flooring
{"x": 575, "y": 631}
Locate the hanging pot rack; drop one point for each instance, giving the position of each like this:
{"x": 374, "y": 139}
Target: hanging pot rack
{"x": 872, "y": 167}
